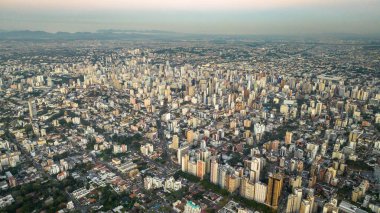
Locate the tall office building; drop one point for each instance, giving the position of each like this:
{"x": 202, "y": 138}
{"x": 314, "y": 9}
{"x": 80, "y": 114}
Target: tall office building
{"x": 214, "y": 172}
{"x": 274, "y": 189}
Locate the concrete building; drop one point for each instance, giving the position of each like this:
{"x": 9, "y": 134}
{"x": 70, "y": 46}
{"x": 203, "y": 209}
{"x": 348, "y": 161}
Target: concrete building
{"x": 274, "y": 190}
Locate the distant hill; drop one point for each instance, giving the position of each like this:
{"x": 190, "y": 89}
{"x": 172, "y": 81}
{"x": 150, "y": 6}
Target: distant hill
{"x": 112, "y": 34}
{"x": 99, "y": 35}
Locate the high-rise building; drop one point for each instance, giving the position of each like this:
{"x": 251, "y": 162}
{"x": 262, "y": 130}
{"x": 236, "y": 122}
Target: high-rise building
{"x": 296, "y": 182}
{"x": 247, "y": 189}
{"x": 255, "y": 169}
{"x": 146, "y": 149}
{"x": 180, "y": 152}
{"x": 331, "y": 207}
{"x": 310, "y": 198}
{"x": 353, "y": 137}
{"x": 175, "y": 142}
{"x": 32, "y": 108}
{"x": 192, "y": 167}
{"x": 214, "y": 172}
{"x": 232, "y": 183}
{"x": 319, "y": 108}
{"x": 297, "y": 203}
{"x": 190, "y": 136}
{"x": 201, "y": 169}
{"x": 50, "y": 82}
{"x": 284, "y": 109}
{"x": 274, "y": 189}
{"x": 203, "y": 144}
{"x": 288, "y": 137}
{"x": 191, "y": 91}
{"x": 260, "y": 192}
{"x": 312, "y": 181}
{"x": 185, "y": 163}
{"x": 222, "y": 177}
{"x": 305, "y": 206}
{"x": 290, "y": 203}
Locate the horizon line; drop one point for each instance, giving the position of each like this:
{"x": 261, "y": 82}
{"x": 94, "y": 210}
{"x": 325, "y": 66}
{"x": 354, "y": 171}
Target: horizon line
{"x": 121, "y": 31}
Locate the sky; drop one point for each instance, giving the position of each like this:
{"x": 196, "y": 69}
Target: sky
{"x": 194, "y": 16}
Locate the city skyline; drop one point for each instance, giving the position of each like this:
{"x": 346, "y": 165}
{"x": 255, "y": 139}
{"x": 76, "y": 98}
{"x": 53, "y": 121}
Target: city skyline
{"x": 211, "y": 17}
{"x": 190, "y": 106}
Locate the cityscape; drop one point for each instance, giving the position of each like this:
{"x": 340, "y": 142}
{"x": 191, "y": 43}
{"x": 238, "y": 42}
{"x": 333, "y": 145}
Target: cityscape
{"x": 161, "y": 121}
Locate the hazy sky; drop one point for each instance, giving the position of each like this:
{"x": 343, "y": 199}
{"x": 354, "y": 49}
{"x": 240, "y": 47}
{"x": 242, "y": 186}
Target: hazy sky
{"x": 194, "y": 16}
